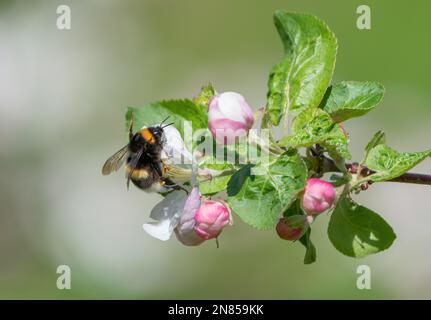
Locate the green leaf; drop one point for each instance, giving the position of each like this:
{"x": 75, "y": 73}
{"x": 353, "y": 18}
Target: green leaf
{"x": 349, "y": 99}
{"x": 378, "y": 138}
{"x": 204, "y": 97}
{"x": 220, "y": 157}
{"x": 300, "y": 80}
{"x": 390, "y": 164}
{"x": 338, "y": 179}
{"x": 209, "y": 161}
{"x": 237, "y": 180}
{"x": 357, "y": 231}
{"x": 264, "y": 197}
{"x": 222, "y": 171}
{"x": 310, "y": 250}
{"x": 177, "y": 110}
{"x": 215, "y": 185}
{"x": 315, "y": 126}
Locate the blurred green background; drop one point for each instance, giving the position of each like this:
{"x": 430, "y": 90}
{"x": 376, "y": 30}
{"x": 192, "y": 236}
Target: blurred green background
{"x": 62, "y": 99}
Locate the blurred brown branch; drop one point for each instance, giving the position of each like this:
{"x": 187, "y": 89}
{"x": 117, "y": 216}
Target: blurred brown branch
{"x": 409, "y": 177}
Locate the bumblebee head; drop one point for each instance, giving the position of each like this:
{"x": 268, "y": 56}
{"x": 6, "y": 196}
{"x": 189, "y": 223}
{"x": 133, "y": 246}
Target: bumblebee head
{"x": 158, "y": 133}
{"x": 151, "y": 135}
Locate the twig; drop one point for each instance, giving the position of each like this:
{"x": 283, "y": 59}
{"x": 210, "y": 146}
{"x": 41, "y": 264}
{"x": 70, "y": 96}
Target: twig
{"x": 409, "y": 177}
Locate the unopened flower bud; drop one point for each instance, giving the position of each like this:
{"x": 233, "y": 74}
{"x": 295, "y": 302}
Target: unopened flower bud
{"x": 293, "y": 227}
{"x": 211, "y": 218}
{"x": 229, "y": 117}
{"x": 318, "y": 196}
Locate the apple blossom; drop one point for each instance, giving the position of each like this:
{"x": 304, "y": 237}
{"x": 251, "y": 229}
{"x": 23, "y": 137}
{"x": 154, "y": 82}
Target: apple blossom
{"x": 166, "y": 215}
{"x": 185, "y": 231}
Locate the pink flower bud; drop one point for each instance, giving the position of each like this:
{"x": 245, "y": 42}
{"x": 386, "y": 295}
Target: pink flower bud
{"x": 229, "y": 116}
{"x": 185, "y": 230}
{"x": 211, "y": 218}
{"x": 319, "y": 195}
{"x": 293, "y": 227}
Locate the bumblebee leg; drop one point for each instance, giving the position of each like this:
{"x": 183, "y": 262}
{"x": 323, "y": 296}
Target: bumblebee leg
{"x": 168, "y": 183}
{"x": 178, "y": 187}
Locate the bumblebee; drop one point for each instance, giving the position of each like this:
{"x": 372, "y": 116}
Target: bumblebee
{"x": 142, "y": 158}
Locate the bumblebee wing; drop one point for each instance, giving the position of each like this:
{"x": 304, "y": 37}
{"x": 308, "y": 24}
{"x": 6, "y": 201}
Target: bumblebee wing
{"x": 156, "y": 167}
{"x": 115, "y": 161}
{"x": 133, "y": 165}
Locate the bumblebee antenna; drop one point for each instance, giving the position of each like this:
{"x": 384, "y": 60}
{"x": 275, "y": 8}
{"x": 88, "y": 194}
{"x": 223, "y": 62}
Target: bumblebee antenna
{"x": 161, "y": 123}
{"x": 167, "y": 125}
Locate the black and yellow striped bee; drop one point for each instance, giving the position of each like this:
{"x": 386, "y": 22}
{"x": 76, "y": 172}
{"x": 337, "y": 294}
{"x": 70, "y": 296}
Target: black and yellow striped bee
{"x": 142, "y": 155}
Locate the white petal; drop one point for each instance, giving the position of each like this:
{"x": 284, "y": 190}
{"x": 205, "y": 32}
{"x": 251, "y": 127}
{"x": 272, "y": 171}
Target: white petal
{"x": 161, "y": 230}
{"x": 175, "y": 150}
{"x": 231, "y": 104}
{"x": 170, "y": 208}
{"x": 167, "y": 214}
